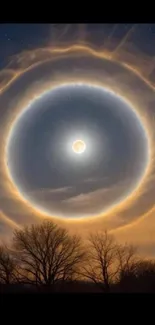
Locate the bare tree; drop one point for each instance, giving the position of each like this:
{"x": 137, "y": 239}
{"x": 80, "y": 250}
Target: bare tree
{"x": 140, "y": 278}
{"x": 106, "y": 260}
{"x": 101, "y": 258}
{"x": 145, "y": 269}
{"x": 47, "y": 254}
{"x": 127, "y": 260}
{"x": 7, "y": 266}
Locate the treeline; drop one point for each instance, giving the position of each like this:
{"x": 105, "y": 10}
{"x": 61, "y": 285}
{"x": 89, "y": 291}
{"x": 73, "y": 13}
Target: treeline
{"x": 46, "y": 257}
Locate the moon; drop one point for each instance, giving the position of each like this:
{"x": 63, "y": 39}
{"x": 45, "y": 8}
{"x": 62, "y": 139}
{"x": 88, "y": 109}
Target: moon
{"x": 79, "y": 146}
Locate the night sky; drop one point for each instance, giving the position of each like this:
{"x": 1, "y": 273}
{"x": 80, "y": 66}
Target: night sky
{"x": 15, "y": 38}
{"x": 99, "y": 90}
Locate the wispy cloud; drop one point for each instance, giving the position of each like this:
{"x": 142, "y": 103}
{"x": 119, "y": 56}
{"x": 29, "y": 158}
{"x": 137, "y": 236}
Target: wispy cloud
{"x": 71, "y": 201}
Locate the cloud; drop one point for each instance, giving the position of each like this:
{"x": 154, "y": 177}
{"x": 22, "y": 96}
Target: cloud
{"x": 71, "y": 201}
{"x": 46, "y": 194}
{"x": 94, "y": 201}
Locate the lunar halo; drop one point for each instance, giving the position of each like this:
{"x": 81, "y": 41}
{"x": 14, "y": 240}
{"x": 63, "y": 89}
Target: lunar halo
{"x": 113, "y": 83}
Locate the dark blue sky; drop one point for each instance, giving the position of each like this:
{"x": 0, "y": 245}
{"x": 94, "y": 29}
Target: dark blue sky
{"x": 15, "y": 38}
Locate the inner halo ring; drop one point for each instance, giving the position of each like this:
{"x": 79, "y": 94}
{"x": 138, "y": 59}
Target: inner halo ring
{"x": 127, "y": 197}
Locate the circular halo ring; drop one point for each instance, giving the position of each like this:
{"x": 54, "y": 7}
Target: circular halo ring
{"x": 137, "y": 191}
{"x": 114, "y": 206}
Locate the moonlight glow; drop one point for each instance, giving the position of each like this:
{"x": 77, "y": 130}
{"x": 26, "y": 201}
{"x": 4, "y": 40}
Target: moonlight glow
{"x": 79, "y": 146}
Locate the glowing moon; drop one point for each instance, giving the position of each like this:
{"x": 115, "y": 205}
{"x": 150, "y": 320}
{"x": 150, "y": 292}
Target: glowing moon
{"x": 79, "y": 146}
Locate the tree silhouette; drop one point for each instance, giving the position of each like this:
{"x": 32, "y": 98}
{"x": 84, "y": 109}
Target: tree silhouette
{"x": 127, "y": 260}
{"x": 47, "y": 254}
{"x": 101, "y": 257}
{"x": 107, "y": 260}
{"x": 141, "y": 278}
{"x": 7, "y": 266}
